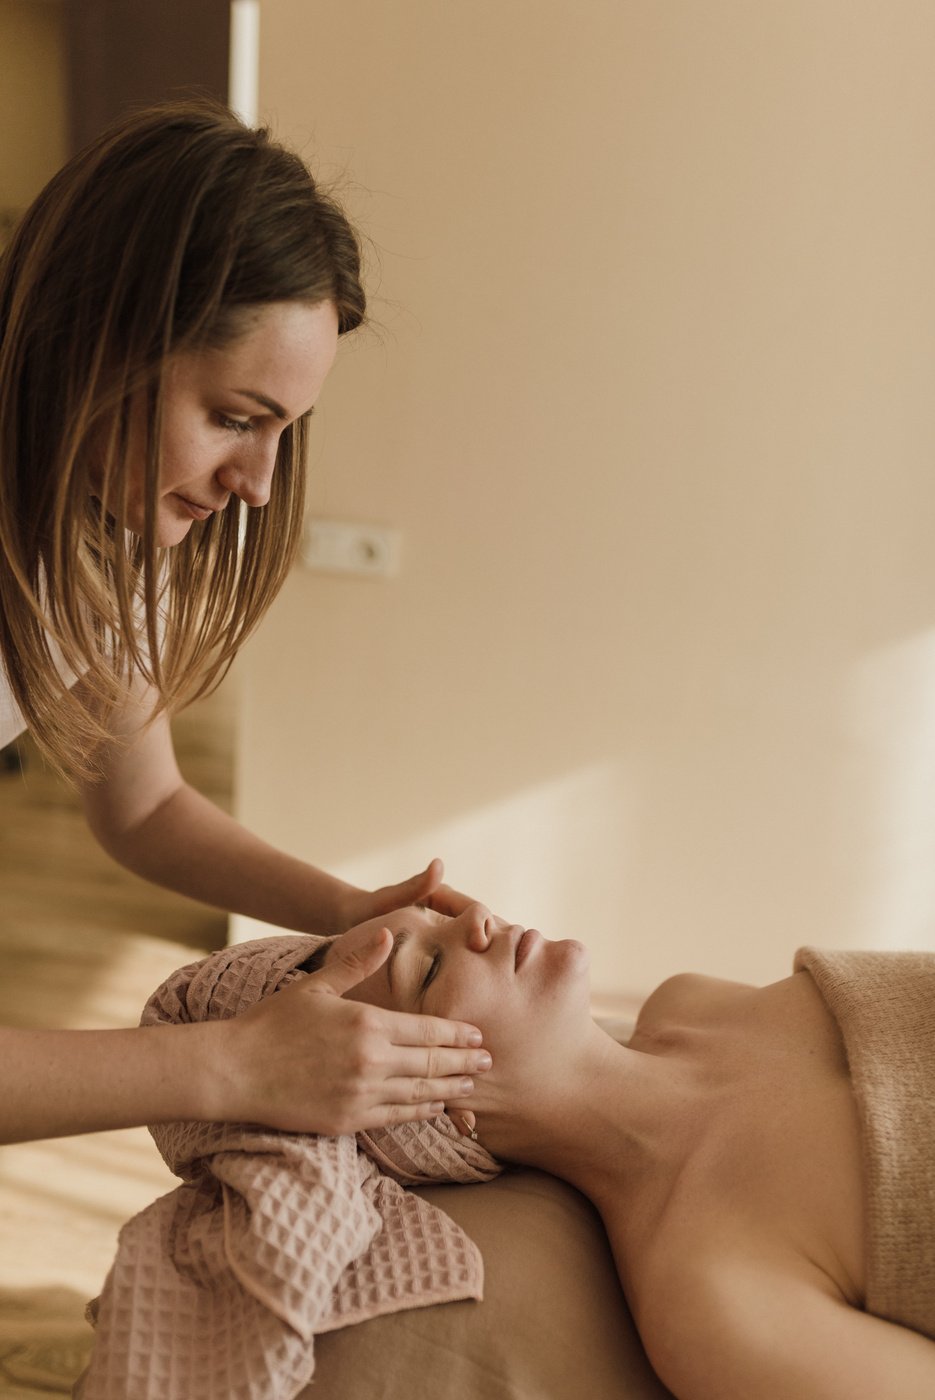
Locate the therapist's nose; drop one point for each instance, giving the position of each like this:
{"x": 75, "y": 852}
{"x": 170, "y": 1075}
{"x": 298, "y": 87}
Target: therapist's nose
{"x": 249, "y": 474}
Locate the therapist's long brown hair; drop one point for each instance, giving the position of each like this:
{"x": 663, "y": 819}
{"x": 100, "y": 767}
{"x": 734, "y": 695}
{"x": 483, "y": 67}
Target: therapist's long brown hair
{"x": 160, "y": 236}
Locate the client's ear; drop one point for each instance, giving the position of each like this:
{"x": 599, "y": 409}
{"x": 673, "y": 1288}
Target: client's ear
{"x": 464, "y": 1121}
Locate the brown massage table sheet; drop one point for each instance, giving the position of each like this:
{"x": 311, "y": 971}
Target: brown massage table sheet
{"x": 553, "y": 1324}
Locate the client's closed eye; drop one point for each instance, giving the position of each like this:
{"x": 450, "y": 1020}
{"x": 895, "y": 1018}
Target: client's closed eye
{"x": 432, "y": 972}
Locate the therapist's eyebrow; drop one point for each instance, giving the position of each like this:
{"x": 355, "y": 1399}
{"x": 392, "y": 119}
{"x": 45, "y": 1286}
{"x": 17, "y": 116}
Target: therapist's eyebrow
{"x": 398, "y": 941}
{"x": 271, "y": 404}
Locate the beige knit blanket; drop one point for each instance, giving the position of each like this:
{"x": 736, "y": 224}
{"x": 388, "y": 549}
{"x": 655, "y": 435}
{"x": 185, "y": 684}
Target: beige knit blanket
{"x": 219, "y": 1287}
{"x": 884, "y": 1005}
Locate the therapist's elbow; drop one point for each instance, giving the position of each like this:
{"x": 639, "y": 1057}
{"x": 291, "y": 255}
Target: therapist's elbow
{"x": 121, "y": 823}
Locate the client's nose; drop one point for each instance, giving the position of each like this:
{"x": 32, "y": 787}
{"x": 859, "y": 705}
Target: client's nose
{"x": 481, "y": 927}
{"x": 478, "y": 922}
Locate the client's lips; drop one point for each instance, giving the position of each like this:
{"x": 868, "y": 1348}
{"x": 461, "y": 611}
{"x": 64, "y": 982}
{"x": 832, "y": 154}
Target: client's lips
{"x": 525, "y": 946}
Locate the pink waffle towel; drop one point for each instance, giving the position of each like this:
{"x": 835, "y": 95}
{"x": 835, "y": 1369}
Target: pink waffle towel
{"x": 219, "y": 1287}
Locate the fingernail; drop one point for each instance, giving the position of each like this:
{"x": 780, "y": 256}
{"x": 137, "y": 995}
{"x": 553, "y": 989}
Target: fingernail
{"x": 467, "y": 1086}
{"x": 475, "y": 1038}
{"x": 484, "y": 1061}
{"x": 437, "y": 1107}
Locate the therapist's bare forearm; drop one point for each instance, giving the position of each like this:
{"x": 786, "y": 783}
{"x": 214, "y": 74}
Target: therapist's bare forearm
{"x": 55, "y": 1083}
{"x": 189, "y": 845}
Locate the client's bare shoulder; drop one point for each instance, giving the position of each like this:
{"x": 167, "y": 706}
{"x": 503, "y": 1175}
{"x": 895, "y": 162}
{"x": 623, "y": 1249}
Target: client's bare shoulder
{"x": 768, "y": 1183}
{"x": 734, "y": 1326}
{"x": 690, "y": 1000}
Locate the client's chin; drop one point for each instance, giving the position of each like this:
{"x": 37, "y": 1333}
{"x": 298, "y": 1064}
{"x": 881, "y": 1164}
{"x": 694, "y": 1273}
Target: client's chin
{"x": 569, "y": 969}
{"x": 575, "y": 954}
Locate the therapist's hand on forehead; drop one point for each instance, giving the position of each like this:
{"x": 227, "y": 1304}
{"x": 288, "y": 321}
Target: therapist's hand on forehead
{"x": 306, "y": 1060}
{"x": 425, "y": 888}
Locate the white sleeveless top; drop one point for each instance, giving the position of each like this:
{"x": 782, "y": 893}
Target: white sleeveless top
{"x": 12, "y": 723}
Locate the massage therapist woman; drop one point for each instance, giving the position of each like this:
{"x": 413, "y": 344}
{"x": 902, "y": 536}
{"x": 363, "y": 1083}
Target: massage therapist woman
{"x": 170, "y": 307}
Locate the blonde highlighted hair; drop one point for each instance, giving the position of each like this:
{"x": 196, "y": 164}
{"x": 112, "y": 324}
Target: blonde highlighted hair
{"x": 162, "y": 236}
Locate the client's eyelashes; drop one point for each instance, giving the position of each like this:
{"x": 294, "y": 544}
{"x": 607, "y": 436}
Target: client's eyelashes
{"x": 432, "y": 972}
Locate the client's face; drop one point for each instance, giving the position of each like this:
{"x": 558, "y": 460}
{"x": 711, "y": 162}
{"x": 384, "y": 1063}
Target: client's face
{"x": 528, "y": 994}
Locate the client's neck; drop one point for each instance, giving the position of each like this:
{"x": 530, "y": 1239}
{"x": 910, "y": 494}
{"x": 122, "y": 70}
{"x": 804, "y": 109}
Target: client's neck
{"x": 608, "y": 1123}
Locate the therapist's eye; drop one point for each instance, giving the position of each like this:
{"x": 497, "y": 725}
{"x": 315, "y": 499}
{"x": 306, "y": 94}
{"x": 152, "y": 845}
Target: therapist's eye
{"x": 432, "y": 972}
{"x": 236, "y": 425}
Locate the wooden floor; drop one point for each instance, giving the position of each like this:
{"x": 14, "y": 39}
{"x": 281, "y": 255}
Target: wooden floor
{"x": 83, "y": 944}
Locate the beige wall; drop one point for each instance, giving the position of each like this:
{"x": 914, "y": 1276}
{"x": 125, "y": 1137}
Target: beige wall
{"x": 32, "y": 98}
{"x": 652, "y": 404}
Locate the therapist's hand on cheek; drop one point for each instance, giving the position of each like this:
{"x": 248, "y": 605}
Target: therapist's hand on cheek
{"x": 305, "y": 1060}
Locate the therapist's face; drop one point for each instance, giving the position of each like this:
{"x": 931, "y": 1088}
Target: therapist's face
{"x": 224, "y": 413}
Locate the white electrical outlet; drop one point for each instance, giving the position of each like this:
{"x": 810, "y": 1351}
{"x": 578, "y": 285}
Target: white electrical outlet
{"x": 335, "y": 546}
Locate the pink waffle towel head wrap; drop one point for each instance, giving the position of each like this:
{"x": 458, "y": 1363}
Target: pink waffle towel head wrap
{"x": 219, "y": 1287}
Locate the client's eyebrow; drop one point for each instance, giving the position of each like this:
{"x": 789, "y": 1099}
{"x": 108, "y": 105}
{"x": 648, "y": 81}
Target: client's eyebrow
{"x": 398, "y": 941}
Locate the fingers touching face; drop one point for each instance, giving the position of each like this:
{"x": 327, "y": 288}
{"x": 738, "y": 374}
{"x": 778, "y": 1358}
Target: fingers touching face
{"x": 436, "y": 960}
{"x": 471, "y": 967}
{"x": 529, "y": 995}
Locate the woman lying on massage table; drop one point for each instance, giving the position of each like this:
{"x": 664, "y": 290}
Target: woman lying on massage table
{"x": 760, "y": 1157}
